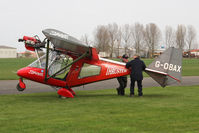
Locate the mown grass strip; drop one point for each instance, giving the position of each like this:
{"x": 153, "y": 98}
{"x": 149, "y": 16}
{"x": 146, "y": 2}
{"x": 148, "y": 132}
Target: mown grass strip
{"x": 172, "y": 109}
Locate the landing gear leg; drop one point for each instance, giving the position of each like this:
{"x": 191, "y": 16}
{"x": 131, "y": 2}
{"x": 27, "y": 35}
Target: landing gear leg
{"x": 72, "y": 91}
{"x": 21, "y": 86}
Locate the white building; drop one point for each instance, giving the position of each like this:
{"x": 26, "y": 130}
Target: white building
{"x": 195, "y": 52}
{"x": 8, "y": 52}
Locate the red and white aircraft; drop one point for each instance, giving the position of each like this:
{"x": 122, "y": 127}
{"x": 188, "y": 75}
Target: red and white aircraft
{"x": 69, "y": 63}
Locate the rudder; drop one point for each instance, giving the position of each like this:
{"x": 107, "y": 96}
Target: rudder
{"x": 166, "y": 69}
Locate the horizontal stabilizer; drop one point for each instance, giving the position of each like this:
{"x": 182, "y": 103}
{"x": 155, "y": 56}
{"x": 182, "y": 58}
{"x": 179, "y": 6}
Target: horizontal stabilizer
{"x": 166, "y": 69}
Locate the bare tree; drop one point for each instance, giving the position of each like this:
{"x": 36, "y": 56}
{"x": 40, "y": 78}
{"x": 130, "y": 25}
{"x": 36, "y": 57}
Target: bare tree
{"x": 195, "y": 45}
{"x": 169, "y": 37}
{"x": 85, "y": 39}
{"x": 137, "y": 32}
{"x": 180, "y": 36}
{"x": 113, "y": 34}
{"x": 190, "y": 38}
{"x": 152, "y": 36}
{"x": 102, "y": 39}
{"x": 126, "y": 34}
{"x": 119, "y": 38}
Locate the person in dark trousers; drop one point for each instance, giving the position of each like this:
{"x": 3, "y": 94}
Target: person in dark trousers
{"x": 123, "y": 79}
{"x": 136, "y": 66}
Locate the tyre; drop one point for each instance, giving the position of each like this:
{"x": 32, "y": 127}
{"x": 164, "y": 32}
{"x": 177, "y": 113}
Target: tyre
{"x": 19, "y": 88}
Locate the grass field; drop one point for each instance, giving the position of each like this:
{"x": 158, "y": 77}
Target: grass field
{"x": 169, "y": 110}
{"x": 9, "y": 67}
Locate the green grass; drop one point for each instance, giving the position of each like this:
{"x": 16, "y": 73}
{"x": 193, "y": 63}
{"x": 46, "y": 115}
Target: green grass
{"x": 9, "y": 67}
{"x": 190, "y": 67}
{"x": 169, "y": 110}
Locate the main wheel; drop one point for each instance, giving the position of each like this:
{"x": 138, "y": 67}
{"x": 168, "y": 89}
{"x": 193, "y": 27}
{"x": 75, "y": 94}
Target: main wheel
{"x": 19, "y": 88}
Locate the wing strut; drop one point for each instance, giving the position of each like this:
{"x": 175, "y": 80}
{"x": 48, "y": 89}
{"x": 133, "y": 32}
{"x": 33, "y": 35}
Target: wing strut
{"x": 46, "y": 67}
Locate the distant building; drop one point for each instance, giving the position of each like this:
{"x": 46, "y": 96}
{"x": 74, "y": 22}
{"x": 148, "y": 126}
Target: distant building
{"x": 26, "y": 54}
{"x": 8, "y": 52}
{"x": 195, "y": 52}
{"x": 130, "y": 52}
{"x": 158, "y": 52}
{"x": 103, "y": 54}
{"x": 118, "y": 53}
{"x": 191, "y": 53}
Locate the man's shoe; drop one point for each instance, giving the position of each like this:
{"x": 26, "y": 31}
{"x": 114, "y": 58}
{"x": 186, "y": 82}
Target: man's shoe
{"x": 118, "y": 91}
{"x": 122, "y": 93}
{"x": 140, "y": 95}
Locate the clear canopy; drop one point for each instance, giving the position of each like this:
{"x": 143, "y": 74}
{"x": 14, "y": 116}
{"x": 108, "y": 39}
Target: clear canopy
{"x": 56, "y": 61}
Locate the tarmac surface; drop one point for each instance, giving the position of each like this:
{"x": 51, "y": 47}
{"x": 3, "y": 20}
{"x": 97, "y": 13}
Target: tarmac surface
{"x": 9, "y": 86}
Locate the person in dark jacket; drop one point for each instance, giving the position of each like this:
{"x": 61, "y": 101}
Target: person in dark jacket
{"x": 123, "y": 79}
{"x": 136, "y": 66}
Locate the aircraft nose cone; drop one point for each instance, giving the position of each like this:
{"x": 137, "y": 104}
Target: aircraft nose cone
{"x": 21, "y": 72}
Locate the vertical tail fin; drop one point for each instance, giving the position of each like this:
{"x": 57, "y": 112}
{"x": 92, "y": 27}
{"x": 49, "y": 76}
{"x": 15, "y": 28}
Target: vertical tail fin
{"x": 166, "y": 69}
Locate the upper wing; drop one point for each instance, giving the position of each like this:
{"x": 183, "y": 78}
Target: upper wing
{"x": 65, "y": 42}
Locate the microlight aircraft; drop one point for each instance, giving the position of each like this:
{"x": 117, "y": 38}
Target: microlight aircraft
{"x": 68, "y": 63}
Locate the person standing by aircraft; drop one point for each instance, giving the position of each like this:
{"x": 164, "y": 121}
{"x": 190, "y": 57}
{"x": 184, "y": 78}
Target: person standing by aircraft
{"x": 123, "y": 79}
{"x": 136, "y": 66}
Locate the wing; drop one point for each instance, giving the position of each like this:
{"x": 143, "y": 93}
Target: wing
{"x": 65, "y": 42}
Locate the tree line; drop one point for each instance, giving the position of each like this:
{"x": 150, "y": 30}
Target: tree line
{"x": 147, "y": 38}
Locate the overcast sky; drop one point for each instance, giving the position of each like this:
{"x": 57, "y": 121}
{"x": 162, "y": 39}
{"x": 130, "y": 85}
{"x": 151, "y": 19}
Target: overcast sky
{"x": 79, "y": 17}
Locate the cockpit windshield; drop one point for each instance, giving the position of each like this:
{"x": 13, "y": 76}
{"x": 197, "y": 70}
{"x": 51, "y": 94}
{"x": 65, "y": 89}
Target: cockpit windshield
{"x": 56, "y": 61}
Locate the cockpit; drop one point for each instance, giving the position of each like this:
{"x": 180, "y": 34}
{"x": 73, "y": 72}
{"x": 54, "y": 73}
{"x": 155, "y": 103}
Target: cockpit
{"x": 56, "y": 61}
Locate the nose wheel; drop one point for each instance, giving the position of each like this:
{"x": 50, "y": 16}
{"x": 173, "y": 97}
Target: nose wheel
{"x": 21, "y": 86}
